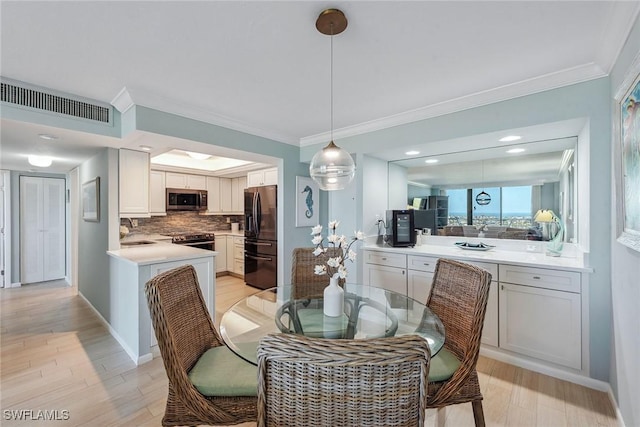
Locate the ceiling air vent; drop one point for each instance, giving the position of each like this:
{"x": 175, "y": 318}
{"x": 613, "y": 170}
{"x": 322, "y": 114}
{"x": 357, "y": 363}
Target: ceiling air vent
{"x": 20, "y": 94}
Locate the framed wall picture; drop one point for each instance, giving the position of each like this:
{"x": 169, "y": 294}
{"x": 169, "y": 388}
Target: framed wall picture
{"x": 627, "y": 158}
{"x": 91, "y": 200}
{"x": 307, "y": 202}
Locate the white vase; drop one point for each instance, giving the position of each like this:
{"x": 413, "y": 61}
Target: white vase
{"x": 481, "y": 234}
{"x": 333, "y": 299}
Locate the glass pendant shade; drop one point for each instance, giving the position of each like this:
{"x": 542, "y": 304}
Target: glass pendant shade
{"x": 332, "y": 168}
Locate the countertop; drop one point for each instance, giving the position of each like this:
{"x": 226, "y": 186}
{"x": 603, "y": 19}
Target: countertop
{"x": 504, "y": 252}
{"x": 160, "y": 251}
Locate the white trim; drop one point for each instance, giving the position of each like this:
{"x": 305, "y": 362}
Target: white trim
{"x": 138, "y": 360}
{"x": 550, "y": 81}
{"x": 7, "y": 231}
{"x": 559, "y": 373}
{"x": 626, "y": 238}
{"x": 614, "y": 403}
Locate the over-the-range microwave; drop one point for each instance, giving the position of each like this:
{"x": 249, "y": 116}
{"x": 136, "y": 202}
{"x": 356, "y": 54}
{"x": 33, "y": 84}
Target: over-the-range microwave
{"x": 179, "y": 199}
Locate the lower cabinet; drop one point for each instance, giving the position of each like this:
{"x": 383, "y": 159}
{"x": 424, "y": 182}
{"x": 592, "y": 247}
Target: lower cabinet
{"x": 420, "y": 276}
{"x": 230, "y": 255}
{"x": 387, "y": 271}
{"x": 238, "y": 255}
{"x": 535, "y": 312}
{"x": 540, "y": 321}
{"x": 221, "y": 259}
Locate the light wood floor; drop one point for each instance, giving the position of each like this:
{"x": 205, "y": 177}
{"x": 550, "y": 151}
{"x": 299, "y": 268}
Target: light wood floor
{"x": 56, "y": 355}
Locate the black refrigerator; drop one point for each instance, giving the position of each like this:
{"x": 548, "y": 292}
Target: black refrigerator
{"x": 261, "y": 236}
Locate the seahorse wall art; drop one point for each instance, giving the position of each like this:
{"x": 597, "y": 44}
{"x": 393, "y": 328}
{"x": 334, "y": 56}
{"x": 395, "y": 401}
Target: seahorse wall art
{"x": 308, "y": 201}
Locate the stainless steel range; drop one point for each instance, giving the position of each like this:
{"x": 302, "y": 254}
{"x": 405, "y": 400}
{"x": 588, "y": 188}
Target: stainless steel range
{"x": 196, "y": 240}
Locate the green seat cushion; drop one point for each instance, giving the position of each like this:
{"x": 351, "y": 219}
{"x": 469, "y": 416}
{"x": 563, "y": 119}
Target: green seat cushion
{"x": 442, "y": 366}
{"x": 315, "y": 324}
{"x": 220, "y": 372}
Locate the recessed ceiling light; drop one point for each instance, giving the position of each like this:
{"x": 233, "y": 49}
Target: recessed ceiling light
{"x": 40, "y": 161}
{"x": 431, "y": 161}
{"x": 510, "y": 138}
{"x": 412, "y": 153}
{"x": 515, "y": 150}
{"x": 47, "y": 136}
{"x": 198, "y": 156}
{"x": 145, "y": 148}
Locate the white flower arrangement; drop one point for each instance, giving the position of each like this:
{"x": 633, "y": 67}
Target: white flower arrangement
{"x": 335, "y": 265}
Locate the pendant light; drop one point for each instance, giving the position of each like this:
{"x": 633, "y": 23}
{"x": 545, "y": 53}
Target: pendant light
{"x": 483, "y": 198}
{"x": 332, "y": 167}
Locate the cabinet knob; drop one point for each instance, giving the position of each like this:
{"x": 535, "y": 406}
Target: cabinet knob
{"x": 384, "y": 259}
{"x": 536, "y": 277}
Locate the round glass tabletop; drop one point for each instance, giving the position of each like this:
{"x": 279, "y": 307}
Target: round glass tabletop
{"x": 369, "y": 312}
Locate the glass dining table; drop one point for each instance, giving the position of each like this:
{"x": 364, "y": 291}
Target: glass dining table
{"x": 369, "y": 312}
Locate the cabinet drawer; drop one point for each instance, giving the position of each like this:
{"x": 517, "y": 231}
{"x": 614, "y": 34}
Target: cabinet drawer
{"x": 490, "y": 267}
{"x": 385, "y": 258}
{"x": 568, "y": 281}
{"x": 421, "y": 263}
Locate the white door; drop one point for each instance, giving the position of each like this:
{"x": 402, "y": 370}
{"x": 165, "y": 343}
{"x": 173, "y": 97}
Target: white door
{"x": 42, "y": 229}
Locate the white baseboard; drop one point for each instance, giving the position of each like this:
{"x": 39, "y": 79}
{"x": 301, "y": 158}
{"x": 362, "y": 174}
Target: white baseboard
{"x": 14, "y": 285}
{"x": 137, "y": 360}
{"x": 559, "y": 373}
{"x": 612, "y": 398}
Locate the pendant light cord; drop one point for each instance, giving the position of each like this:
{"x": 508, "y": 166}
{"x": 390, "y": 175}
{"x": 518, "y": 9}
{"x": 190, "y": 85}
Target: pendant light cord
{"x": 331, "y": 81}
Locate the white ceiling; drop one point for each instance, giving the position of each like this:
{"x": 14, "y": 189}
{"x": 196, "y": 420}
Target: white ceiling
{"x": 261, "y": 67}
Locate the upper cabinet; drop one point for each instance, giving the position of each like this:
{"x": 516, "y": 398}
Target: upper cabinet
{"x": 226, "y": 195}
{"x": 237, "y": 194}
{"x": 262, "y": 177}
{"x": 181, "y": 180}
{"x": 133, "y": 183}
{"x": 158, "y": 193}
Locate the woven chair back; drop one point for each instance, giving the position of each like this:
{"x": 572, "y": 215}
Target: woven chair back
{"x": 459, "y": 294}
{"x": 306, "y": 381}
{"x": 180, "y": 318}
{"x": 307, "y": 284}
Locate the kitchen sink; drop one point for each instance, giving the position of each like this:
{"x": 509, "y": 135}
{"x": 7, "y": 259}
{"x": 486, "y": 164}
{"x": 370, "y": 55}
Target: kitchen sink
{"x": 137, "y": 243}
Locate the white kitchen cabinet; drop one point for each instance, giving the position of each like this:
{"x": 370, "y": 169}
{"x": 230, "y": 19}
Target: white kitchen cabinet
{"x": 186, "y": 181}
{"x": 238, "y": 255}
{"x": 157, "y": 193}
{"x": 386, "y": 270}
{"x": 237, "y": 194}
{"x": 221, "y": 258}
{"x": 541, "y": 321}
{"x": 490, "y": 327}
{"x": 420, "y": 276}
{"x": 220, "y": 196}
{"x": 262, "y": 177}
{"x": 230, "y": 254}
{"x": 213, "y": 194}
{"x": 133, "y": 184}
{"x": 225, "y": 195}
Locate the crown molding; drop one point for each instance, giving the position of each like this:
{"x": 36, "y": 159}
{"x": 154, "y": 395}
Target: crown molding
{"x": 543, "y": 83}
{"x": 615, "y": 35}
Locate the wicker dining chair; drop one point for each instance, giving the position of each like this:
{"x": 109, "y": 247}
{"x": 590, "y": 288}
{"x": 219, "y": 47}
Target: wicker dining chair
{"x": 321, "y": 382}
{"x": 198, "y": 364}
{"x": 305, "y": 283}
{"x": 458, "y": 296}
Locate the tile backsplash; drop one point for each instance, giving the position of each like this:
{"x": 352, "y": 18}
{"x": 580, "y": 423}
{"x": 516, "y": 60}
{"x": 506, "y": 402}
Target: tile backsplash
{"x": 181, "y": 222}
